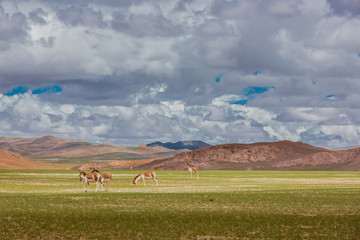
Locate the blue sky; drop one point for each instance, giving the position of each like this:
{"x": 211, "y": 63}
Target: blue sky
{"x": 17, "y": 90}
{"x": 129, "y": 72}
{"x": 42, "y": 90}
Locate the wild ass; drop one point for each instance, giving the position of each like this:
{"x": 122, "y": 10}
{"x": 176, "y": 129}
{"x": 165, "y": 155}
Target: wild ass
{"x": 103, "y": 177}
{"x": 193, "y": 169}
{"x": 145, "y": 175}
{"x": 87, "y": 179}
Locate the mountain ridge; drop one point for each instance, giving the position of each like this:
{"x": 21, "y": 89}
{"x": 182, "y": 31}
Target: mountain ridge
{"x": 282, "y": 155}
{"x": 190, "y": 145}
{"x": 58, "y": 150}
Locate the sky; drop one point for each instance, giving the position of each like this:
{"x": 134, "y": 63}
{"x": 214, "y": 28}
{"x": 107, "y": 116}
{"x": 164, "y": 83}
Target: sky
{"x": 220, "y": 71}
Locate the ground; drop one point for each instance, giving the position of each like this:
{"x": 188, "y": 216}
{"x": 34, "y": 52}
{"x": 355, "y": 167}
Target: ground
{"x": 45, "y": 204}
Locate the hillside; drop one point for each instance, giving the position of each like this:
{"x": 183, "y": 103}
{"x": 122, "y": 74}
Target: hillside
{"x": 52, "y": 146}
{"x": 281, "y": 155}
{"x": 57, "y": 150}
{"x": 263, "y": 156}
{"x": 10, "y": 160}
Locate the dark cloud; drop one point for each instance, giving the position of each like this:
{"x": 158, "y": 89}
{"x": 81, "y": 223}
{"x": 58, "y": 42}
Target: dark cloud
{"x": 220, "y": 71}
{"x": 143, "y": 25}
{"x": 38, "y": 16}
{"x": 13, "y": 28}
{"x": 47, "y": 43}
{"x": 214, "y": 29}
{"x": 252, "y": 9}
{"x": 80, "y": 15}
{"x": 345, "y": 7}
{"x": 111, "y": 90}
{"x": 111, "y": 3}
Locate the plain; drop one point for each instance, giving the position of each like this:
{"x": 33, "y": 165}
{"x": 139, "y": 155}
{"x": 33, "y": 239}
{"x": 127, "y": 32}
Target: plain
{"x": 46, "y": 204}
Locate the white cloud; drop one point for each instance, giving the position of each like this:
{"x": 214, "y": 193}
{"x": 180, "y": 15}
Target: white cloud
{"x": 101, "y": 129}
{"x": 172, "y": 121}
{"x": 67, "y": 109}
{"x": 142, "y": 72}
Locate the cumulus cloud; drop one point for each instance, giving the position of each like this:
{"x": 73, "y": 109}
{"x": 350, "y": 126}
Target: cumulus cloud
{"x": 218, "y": 71}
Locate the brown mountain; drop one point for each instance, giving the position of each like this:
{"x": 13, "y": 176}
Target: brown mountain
{"x": 53, "y": 149}
{"x": 42, "y": 146}
{"x": 269, "y": 155}
{"x": 10, "y": 160}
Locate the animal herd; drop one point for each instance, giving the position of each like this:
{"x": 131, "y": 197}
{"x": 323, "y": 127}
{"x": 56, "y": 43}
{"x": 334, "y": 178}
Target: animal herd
{"x": 101, "y": 178}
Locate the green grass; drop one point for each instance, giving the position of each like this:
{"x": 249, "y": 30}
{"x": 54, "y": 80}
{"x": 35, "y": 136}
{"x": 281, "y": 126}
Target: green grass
{"x": 220, "y": 205}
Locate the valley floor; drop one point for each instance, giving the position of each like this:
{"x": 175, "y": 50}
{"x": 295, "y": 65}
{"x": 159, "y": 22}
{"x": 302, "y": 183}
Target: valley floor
{"x": 45, "y": 204}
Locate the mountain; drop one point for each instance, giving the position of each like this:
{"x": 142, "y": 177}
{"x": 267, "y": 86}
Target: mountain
{"x": 283, "y": 155}
{"x": 10, "y": 160}
{"x": 19, "y": 153}
{"x": 190, "y": 145}
{"x": 53, "y": 149}
{"x": 42, "y": 146}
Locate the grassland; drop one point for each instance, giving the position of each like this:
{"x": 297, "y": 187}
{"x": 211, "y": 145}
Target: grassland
{"x": 42, "y": 204}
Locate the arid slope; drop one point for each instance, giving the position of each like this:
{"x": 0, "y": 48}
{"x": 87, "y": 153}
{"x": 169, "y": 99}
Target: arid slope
{"x": 52, "y": 146}
{"x": 281, "y": 155}
{"x": 267, "y": 156}
{"x": 10, "y": 160}
{"x": 57, "y": 150}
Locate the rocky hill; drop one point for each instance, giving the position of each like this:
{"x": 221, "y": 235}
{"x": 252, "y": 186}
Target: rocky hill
{"x": 190, "y": 145}
{"x": 263, "y": 156}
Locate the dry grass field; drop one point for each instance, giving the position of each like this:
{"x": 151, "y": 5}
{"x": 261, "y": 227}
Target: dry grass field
{"x": 46, "y": 204}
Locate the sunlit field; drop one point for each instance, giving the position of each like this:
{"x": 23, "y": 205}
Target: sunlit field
{"x": 219, "y": 205}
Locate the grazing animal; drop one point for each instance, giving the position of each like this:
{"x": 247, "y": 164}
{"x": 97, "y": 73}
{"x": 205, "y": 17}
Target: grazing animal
{"x": 145, "y": 175}
{"x": 87, "y": 179}
{"x": 193, "y": 169}
{"x": 103, "y": 177}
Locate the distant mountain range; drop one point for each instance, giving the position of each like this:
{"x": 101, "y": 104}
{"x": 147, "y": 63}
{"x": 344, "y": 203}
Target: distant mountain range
{"x": 57, "y": 150}
{"x": 190, "y": 145}
{"x": 31, "y": 153}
